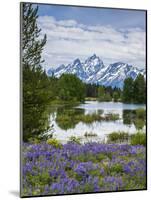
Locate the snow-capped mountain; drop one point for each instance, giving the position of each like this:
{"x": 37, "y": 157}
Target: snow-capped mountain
{"x": 93, "y": 70}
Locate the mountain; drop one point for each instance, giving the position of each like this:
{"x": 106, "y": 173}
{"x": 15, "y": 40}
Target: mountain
{"x": 93, "y": 70}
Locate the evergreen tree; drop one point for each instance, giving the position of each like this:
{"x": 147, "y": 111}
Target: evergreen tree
{"x": 71, "y": 88}
{"x": 101, "y": 93}
{"x": 139, "y": 89}
{"x": 32, "y": 45}
{"x": 128, "y": 90}
{"x": 35, "y": 80}
{"x": 115, "y": 96}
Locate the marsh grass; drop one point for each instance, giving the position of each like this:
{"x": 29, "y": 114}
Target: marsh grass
{"x": 140, "y": 113}
{"x": 118, "y": 137}
{"x": 111, "y": 117}
{"x": 74, "y": 139}
{"x": 138, "y": 138}
{"x": 70, "y": 119}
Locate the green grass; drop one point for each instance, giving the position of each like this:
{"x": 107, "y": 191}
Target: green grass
{"x": 120, "y": 136}
{"x": 140, "y": 113}
{"x": 74, "y": 139}
{"x": 90, "y": 98}
{"x": 54, "y": 142}
{"x": 138, "y": 138}
{"x": 111, "y": 117}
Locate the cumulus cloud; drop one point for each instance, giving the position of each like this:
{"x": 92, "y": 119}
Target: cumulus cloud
{"x": 67, "y": 40}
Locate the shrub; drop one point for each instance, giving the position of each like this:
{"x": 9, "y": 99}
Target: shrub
{"x": 138, "y": 138}
{"x": 90, "y": 118}
{"x": 111, "y": 116}
{"x": 74, "y": 139}
{"x": 34, "y": 140}
{"x": 139, "y": 123}
{"x": 140, "y": 113}
{"x": 118, "y": 136}
{"x": 54, "y": 142}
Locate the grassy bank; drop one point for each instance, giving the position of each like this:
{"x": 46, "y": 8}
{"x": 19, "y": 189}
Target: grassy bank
{"x": 139, "y": 138}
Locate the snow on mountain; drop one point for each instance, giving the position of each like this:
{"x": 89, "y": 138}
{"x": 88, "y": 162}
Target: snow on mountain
{"x": 93, "y": 70}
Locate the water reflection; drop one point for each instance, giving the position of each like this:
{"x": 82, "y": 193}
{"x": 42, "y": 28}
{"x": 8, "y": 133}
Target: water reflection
{"x": 76, "y": 121}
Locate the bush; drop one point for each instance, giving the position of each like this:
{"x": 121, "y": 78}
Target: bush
{"x": 111, "y": 116}
{"x": 138, "y": 138}
{"x": 90, "y": 118}
{"x": 140, "y": 113}
{"x": 74, "y": 139}
{"x": 54, "y": 142}
{"x": 34, "y": 140}
{"x": 139, "y": 123}
{"x": 118, "y": 136}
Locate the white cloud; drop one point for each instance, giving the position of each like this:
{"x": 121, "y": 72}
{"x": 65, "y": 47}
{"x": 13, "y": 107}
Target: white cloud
{"x": 67, "y": 40}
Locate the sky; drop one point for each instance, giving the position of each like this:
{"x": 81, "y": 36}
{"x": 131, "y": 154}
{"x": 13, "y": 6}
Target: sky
{"x": 78, "y": 32}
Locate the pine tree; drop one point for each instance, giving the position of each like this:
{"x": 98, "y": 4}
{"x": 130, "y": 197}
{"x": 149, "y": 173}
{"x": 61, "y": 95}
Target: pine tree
{"x": 32, "y": 45}
{"x": 128, "y": 91}
{"x": 139, "y": 89}
{"x": 35, "y": 80}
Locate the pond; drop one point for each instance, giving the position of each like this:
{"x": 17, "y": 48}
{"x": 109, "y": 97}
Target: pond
{"x": 67, "y": 121}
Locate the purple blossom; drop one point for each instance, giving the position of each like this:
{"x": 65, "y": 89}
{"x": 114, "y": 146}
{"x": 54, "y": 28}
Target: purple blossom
{"x": 75, "y": 169}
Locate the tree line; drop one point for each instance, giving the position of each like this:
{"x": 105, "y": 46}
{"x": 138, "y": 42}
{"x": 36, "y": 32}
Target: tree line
{"x": 134, "y": 91}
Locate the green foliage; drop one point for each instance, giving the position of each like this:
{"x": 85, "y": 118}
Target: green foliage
{"x": 118, "y": 137}
{"x": 35, "y": 80}
{"x": 134, "y": 90}
{"x": 32, "y": 45}
{"x": 139, "y": 89}
{"x": 68, "y": 118}
{"x": 54, "y": 142}
{"x": 91, "y": 90}
{"x": 136, "y": 117}
{"x": 89, "y": 118}
{"x": 116, "y": 96}
{"x": 71, "y": 88}
{"x": 116, "y": 169}
{"x": 128, "y": 90}
{"x": 103, "y": 95}
{"x": 74, "y": 139}
{"x": 35, "y": 100}
{"x": 139, "y": 123}
{"x": 138, "y": 138}
{"x": 141, "y": 113}
{"x": 34, "y": 140}
{"x": 111, "y": 117}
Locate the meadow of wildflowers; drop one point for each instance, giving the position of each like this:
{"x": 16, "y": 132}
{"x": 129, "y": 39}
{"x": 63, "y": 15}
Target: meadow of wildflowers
{"x": 82, "y": 168}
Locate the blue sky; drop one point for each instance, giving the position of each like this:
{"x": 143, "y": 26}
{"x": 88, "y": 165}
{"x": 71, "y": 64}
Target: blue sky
{"x": 94, "y": 16}
{"x": 113, "y": 34}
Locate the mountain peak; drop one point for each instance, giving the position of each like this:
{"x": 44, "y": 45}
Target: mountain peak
{"x": 93, "y": 56}
{"x": 76, "y": 61}
{"x": 93, "y": 71}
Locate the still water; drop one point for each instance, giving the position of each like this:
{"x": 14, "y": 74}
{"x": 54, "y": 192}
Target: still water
{"x": 64, "y": 125}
